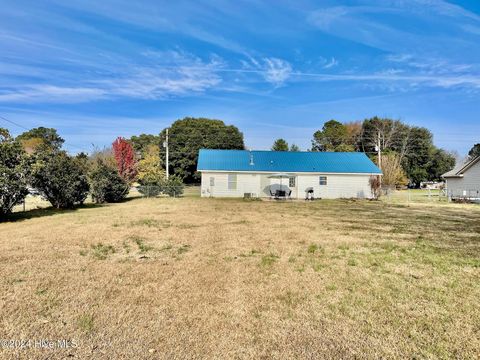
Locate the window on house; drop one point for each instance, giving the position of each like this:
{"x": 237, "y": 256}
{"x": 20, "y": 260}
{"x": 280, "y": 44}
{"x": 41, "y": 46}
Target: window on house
{"x": 291, "y": 181}
{"x": 212, "y": 181}
{"x": 323, "y": 180}
{"x": 232, "y": 181}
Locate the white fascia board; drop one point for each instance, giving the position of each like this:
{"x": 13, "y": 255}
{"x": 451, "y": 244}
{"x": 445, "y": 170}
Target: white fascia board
{"x": 289, "y": 172}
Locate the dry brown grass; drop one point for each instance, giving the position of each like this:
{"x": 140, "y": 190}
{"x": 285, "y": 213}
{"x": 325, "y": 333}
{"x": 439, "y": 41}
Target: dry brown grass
{"x": 205, "y": 278}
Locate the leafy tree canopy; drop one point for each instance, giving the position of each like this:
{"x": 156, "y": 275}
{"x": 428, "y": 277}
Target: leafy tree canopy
{"x": 294, "y": 147}
{"x": 332, "y": 137}
{"x": 280, "y": 145}
{"x": 14, "y": 173}
{"x": 189, "y": 135}
{"x": 420, "y": 159}
{"x": 37, "y": 138}
{"x": 150, "y": 169}
{"x": 474, "y": 151}
{"x": 125, "y": 159}
{"x": 142, "y": 142}
{"x": 413, "y": 146}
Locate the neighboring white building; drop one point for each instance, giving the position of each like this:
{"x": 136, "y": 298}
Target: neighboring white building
{"x": 464, "y": 182}
{"x": 239, "y": 173}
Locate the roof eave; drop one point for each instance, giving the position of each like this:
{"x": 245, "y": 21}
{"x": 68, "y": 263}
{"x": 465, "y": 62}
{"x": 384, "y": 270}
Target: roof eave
{"x": 454, "y": 176}
{"x": 467, "y": 166}
{"x": 293, "y": 172}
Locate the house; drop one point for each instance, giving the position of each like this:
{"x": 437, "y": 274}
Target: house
{"x": 432, "y": 185}
{"x": 463, "y": 182}
{"x": 240, "y": 173}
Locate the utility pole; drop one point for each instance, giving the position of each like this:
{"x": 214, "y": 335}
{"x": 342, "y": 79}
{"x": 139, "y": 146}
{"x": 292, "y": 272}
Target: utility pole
{"x": 379, "y": 150}
{"x": 165, "y": 145}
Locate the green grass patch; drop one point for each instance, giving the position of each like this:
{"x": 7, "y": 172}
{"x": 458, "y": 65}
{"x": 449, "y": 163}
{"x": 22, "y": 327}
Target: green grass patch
{"x": 269, "y": 260}
{"x": 142, "y": 247}
{"x": 41, "y": 291}
{"x": 251, "y": 253}
{"x": 152, "y": 223}
{"x": 101, "y": 251}
{"x": 312, "y": 248}
{"x": 85, "y": 323}
{"x": 183, "y": 249}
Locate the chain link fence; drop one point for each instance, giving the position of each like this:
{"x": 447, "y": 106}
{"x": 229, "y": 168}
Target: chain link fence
{"x": 391, "y": 195}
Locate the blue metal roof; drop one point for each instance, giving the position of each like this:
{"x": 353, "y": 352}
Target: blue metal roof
{"x": 286, "y": 161}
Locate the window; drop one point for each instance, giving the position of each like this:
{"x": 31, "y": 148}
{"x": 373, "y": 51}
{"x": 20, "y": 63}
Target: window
{"x": 291, "y": 181}
{"x": 323, "y": 180}
{"x": 212, "y": 181}
{"x": 232, "y": 182}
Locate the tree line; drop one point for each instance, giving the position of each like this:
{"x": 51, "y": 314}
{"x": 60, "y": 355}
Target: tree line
{"x": 408, "y": 154}
{"x": 35, "y": 159}
{"x": 35, "y": 162}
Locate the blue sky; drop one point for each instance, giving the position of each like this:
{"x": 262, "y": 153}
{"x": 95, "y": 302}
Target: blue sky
{"x": 99, "y": 69}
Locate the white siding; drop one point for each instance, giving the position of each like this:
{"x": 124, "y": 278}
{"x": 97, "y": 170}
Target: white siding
{"x": 338, "y": 186}
{"x": 470, "y": 182}
{"x": 246, "y": 183}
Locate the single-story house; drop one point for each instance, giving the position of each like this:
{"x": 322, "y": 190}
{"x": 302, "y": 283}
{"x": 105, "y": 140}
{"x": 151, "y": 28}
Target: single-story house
{"x": 464, "y": 181}
{"x": 329, "y": 175}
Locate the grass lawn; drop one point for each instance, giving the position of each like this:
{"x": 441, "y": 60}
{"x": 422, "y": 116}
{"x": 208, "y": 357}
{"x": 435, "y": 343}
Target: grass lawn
{"x": 203, "y": 278}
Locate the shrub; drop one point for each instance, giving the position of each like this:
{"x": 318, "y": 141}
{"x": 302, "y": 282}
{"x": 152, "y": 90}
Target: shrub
{"x": 173, "y": 186}
{"x": 107, "y": 184}
{"x": 150, "y": 190}
{"x": 14, "y": 171}
{"x": 59, "y": 179}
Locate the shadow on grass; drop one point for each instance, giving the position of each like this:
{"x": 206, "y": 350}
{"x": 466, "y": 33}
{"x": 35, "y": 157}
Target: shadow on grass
{"x": 48, "y": 211}
{"x": 51, "y": 211}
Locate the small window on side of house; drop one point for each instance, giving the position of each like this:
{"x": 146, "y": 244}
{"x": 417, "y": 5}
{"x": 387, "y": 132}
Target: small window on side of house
{"x": 212, "y": 181}
{"x": 323, "y": 180}
{"x": 291, "y": 181}
{"x": 232, "y": 181}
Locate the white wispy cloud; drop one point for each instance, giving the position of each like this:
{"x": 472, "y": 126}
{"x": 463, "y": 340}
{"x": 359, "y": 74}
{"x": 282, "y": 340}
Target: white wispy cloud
{"x": 371, "y": 23}
{"x": 393, "y": 77}
{"x": 51, "y": 93}
{"x": 162, "y": 75}
{"x": 330, "y": 63}
{"x": 274, "y": 70}
{"x": 277, "y": 71}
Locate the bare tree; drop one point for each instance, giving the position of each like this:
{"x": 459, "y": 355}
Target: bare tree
{"x": 375, "y": 186}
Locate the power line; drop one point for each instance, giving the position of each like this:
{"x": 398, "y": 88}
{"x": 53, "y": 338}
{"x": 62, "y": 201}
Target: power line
{"x": 14, "y": 123}
{"x": 24, "y": 128}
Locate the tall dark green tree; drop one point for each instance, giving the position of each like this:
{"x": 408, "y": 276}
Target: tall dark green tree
{"x": 143, "y": 142}
{"x": 47, "y": 137}
{"x": 416, "y": 161}
{"x": 280, "y": 145}
{"x": 474, "y": 152}
{"x": 294, "y": 147}
{"x": 332, "y": 137}
{"x": 440, "y": 162}
{"x": 187, "y": 136}
{"x": 14, "y": 173}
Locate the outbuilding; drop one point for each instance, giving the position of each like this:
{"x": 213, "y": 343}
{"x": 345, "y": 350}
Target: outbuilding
{"x": 244, "y": 173}
{"x": 463, "y": 182}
